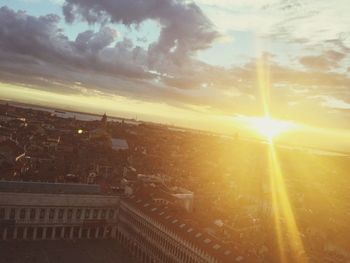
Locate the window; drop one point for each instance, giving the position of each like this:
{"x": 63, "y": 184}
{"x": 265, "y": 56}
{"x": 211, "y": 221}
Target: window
{"x": 51, "y": 213}
{"x": 78, "y": 213}
{"x": 70, "y": 213}
{"x": 12, "y": 213}
{"x": 87, "y": 213}
{"x": 32, "y": 213}
{"x": 22, "y": 213}
{"x": 60, "y": 213}
{"x": 42, "y": 213}
{"x": 95, "y": 213}
{"x": 49, "y": 232}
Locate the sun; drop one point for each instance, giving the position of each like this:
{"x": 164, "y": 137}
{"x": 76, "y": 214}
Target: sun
{"x": 268, "y": 127}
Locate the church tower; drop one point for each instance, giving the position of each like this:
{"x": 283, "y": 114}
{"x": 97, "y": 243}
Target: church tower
{"x": 104, "y": 121}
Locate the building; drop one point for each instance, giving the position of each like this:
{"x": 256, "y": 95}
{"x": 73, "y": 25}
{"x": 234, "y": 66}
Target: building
{"x": 151, "y": 231}
{"x": 157, "y": 233}
{"x": 9, "y": 152}
{"x": 46, "y": 211}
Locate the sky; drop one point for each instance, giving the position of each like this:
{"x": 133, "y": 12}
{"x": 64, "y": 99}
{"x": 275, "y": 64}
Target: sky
{"x": 182, "y": 62}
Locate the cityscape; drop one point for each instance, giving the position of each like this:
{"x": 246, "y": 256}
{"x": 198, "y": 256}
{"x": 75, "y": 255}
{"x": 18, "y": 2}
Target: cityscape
{"x": 166, "y": 194}
{"x": 127, "y": 136}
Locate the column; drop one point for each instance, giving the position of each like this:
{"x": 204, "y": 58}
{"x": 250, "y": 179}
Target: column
{"x": 88, "y": 233}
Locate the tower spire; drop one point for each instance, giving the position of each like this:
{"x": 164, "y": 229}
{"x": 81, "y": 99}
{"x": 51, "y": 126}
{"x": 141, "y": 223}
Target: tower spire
{"x": 104, "y": 121}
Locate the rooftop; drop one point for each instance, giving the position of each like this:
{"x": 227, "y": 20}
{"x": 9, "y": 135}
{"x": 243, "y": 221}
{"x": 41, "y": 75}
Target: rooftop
{"x": 48, "y": 188}
{"x": 187, "y": 230}
{"x": 119, "y": 144}
{"x": 62, "y": 251}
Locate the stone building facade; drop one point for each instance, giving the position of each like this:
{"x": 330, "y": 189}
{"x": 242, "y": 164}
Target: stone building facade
{"x": 43, "y": 216}
{"x": 152, "y": 232}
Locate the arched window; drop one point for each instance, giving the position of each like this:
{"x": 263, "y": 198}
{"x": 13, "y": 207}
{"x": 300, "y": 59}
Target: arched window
{"x": 95, "y": 213}
{"x": 32, "y": 213}
{"x": 52, "y": 213}
{"x": 87, "y": 213}
{"x": 69, "y": 214}
{"x": 42, "y": 213}
{"x": 22, "y": 213}
{"x": 60, "y": 213}
{"x": 78, "y": 214}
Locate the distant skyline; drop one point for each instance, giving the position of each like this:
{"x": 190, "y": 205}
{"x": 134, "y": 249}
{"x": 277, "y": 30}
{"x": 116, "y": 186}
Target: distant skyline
{"x": 190, "y": 63}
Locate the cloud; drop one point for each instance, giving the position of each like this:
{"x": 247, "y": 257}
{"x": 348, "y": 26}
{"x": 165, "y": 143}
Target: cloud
{"x": 334, "y": 103}
{"x": 325, "y": 61}
{"x": 312, "y": 21}
{"x": 184, "y": 28}
{"x": 35, "y": 52}
{"x": 39, "y": 40}
{"x": 94, "y": 42}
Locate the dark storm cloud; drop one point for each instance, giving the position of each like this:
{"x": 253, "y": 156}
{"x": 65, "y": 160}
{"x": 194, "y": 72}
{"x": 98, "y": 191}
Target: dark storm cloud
{"x": 184, "y": 27}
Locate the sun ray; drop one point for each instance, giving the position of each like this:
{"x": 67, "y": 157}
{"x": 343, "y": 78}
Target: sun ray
{"x": 286, "y": 229}
{"x": 284, "y": 211}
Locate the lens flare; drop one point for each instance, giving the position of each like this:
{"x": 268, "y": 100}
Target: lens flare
{"x": 269, "y": 127}
{"x": 290, "y": 244}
